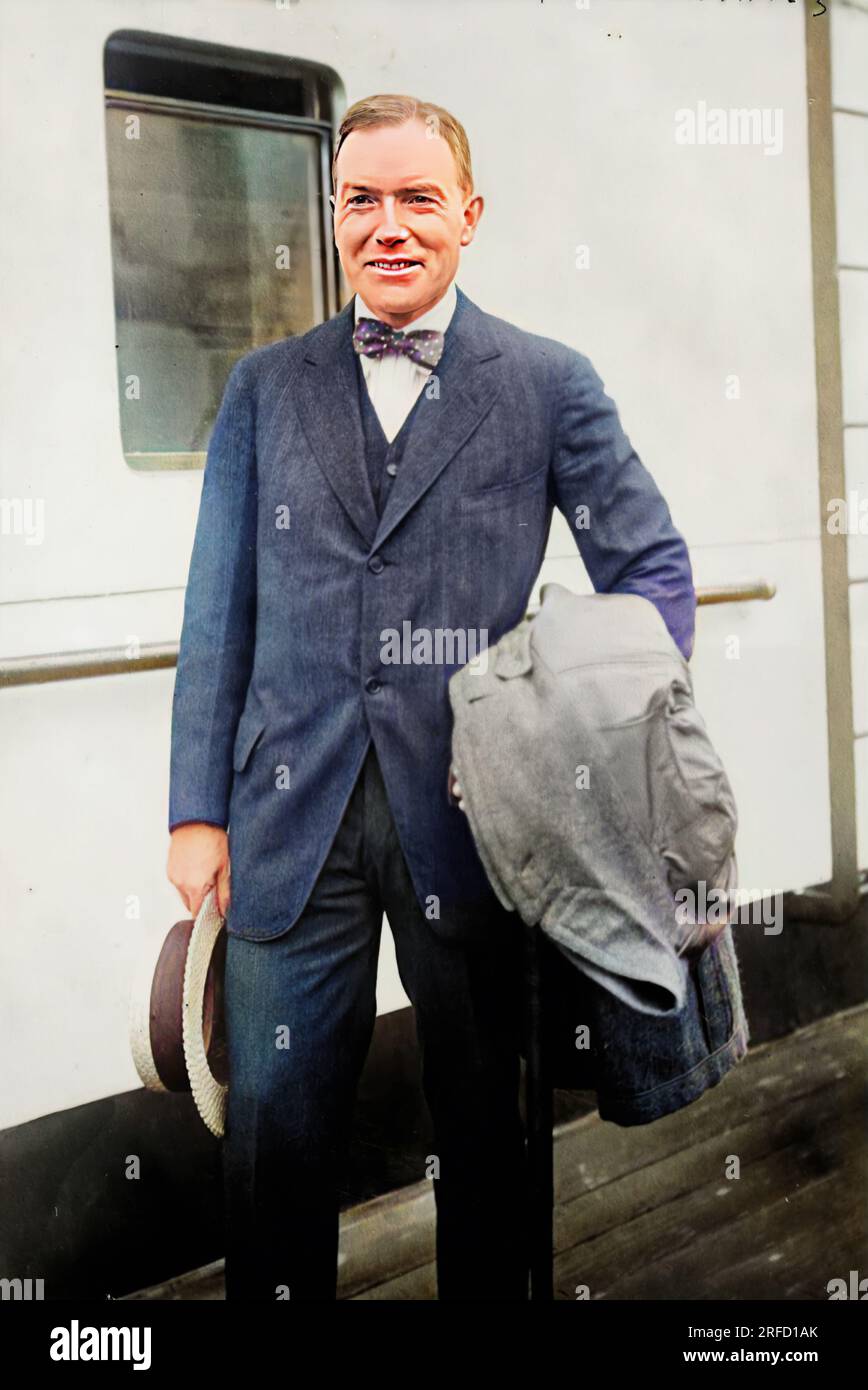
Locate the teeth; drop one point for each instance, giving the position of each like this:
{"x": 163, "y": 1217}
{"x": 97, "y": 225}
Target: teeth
{"x": 393, "y": 265}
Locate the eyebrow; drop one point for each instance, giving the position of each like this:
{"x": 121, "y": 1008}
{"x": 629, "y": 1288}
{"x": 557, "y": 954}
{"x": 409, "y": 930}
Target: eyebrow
{"x": 411, "y": 188}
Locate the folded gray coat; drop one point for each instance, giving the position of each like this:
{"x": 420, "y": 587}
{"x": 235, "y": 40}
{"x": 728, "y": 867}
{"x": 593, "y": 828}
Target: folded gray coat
{"x": 592, "y": 789}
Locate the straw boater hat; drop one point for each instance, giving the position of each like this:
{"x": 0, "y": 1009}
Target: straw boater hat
{"x": 176, "y": 1016}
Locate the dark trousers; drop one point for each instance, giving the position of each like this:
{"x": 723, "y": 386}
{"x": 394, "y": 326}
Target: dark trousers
{"x": 300, "y": 1013}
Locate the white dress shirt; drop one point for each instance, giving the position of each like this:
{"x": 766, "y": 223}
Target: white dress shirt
{"x": 394, "y": 381}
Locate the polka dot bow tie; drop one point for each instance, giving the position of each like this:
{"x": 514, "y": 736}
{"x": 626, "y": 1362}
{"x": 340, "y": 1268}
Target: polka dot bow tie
{"x": 424, "y": 346}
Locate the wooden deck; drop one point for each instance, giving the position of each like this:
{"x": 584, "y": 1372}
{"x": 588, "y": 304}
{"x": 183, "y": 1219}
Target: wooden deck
{"x": 649, "y": 1212}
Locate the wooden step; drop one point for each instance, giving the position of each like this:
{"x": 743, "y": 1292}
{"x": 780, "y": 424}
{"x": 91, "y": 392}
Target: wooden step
{"x": 649, "y": 1211}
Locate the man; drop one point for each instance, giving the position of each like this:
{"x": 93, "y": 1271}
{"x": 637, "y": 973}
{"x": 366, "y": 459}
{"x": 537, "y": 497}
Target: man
{"x": 375, "y": 510}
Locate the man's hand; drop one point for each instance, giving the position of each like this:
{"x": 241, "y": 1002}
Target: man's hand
{"x": 454, "y": 790}
{"x": 199, "y": 858}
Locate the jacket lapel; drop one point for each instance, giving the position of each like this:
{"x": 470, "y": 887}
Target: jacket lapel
{"x": 328, "y": 406}
{"x": 327, "y": 402}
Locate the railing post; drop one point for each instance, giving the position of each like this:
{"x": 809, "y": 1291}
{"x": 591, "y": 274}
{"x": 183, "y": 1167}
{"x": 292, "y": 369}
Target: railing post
{"x": 540, "y": 1120}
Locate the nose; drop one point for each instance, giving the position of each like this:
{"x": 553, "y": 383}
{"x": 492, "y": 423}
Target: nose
{"x": 390, "y": 228}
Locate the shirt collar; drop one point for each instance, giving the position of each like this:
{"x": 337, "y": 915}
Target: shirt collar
{"x": 438, "y": 317}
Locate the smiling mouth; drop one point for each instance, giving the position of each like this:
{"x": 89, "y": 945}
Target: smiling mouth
{"x": 394, "y": 267}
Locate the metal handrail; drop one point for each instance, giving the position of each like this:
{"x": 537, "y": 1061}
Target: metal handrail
{"x": 759, "y": 590}
{"x": 159, "y": 656}
{"x": 101, "y": 661}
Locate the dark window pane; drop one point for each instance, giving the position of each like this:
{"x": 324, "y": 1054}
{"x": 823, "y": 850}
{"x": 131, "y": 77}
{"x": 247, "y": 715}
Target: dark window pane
{"x": 198, "y": 210}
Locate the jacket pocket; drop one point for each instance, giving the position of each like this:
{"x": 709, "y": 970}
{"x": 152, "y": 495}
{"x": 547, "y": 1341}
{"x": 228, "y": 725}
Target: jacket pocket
{"x": 504, "y": 494}
{"x": 248, "y": 734}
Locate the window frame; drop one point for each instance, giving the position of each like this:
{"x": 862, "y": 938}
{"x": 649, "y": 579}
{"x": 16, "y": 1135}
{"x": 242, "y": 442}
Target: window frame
{"x": 322, "y": 89}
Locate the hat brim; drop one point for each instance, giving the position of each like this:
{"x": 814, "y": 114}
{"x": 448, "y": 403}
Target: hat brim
{"x": 176, "y": 1014}
{"x": 200, "y": 1013}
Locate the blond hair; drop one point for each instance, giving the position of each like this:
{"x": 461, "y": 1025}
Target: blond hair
{"x": 389, "y": 109}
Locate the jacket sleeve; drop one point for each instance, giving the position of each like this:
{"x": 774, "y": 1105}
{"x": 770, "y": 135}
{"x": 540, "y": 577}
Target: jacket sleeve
{"x": 626, "y": 538}
{"x": 215, "y": 657}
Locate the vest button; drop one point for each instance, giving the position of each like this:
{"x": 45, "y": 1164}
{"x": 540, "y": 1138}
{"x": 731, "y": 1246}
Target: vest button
{"x": 376, "y": 565}
{"x": 372, "y": 685}
{"x": 391, "y": 469}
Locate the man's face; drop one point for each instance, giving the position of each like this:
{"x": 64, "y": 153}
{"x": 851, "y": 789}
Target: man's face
{"x": 397, "y": 200}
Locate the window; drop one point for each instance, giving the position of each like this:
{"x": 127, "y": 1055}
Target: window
{"x": 218, "y": 170}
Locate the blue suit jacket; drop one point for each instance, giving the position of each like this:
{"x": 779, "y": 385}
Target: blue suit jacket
{"x": 293, "y": 581}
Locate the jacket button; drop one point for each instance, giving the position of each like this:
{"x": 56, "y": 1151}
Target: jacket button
{"x": 376, "y": 565}
{"x": 372, "y": 685}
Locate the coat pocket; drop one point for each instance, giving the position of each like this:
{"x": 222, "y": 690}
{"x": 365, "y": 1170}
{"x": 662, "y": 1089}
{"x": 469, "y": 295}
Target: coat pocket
{"x": 696, "y": 823}
{"x": 249, "y": 731}
{"x": 674, "y": 785}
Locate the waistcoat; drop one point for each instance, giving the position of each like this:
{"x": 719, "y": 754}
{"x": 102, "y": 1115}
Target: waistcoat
{"x": 381, "y": 458}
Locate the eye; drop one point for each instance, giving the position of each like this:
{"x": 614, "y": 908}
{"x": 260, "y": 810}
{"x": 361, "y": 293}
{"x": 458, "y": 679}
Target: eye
{"x": 357, "y": 197}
